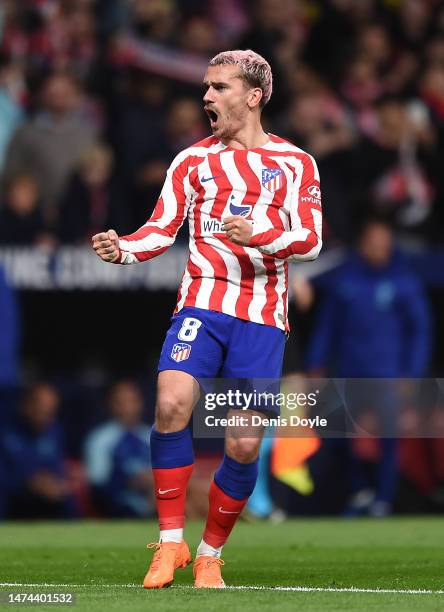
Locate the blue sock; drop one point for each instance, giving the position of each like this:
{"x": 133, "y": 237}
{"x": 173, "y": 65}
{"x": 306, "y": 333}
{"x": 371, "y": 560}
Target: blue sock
{"x": 236, "y": 479}
{"x": 171, "y": 450}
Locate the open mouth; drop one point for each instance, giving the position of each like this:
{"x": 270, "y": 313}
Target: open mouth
{"x": 212, "y": 115}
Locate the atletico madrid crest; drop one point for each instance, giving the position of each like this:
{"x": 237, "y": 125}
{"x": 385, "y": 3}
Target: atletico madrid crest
{"x": 272, "y": 178}
{"x": 181, "y": 351}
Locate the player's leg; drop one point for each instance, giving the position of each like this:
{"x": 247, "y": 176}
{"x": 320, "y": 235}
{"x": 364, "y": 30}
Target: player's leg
{"x": 172, "y": 460}
{"x": 232, "y": 485}
{"x": 255, "y": 352}
{"x": 172, "y": 456}
{"x": 184, "y": 357}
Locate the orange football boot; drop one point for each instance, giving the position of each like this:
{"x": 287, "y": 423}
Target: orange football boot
{"x": 206, "y": 571}
{"x": 168, "y": 557}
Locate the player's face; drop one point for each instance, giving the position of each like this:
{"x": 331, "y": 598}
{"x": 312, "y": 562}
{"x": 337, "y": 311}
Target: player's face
{"x": 226, "y": 100}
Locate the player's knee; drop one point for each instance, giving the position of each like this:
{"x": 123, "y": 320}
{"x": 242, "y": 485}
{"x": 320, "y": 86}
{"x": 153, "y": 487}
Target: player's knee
{"x": 244, "y": 450}
{"x": 172, "y": 412}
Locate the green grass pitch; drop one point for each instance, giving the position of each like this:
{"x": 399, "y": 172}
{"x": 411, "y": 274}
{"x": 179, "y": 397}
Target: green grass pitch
{"x": 105, "y": 563}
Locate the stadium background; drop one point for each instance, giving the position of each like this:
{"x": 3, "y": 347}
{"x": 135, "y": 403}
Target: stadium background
{"x": 95, "y": 100}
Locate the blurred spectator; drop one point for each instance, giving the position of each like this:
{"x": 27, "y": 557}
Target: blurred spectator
{"x": 361, "y": 86}
{"x": 25, "y": 35}
{"x": 9, "y": 352}
{"x": 376, "y": 68}
{"x": 278, "y": 32}
{"x": 396, "y": 164}
{"x": 414, "y": 24}
{"x": 12, "y": 87}
{"x": 93, "y": 199}
{"x": 72, "y": 32}
{"x": 231, "y": 20}
{"x": 155, "y": 20}
{"x": 373, "y": 323}
{"x": 139, "y": 110}
{"x": 260, "y": 503}
{"x": 431, "y": 88}
{"x": 51, "y": 34}
{"x": 374, "y": 319}
{"x": 199, "y": 35}
{"x": 50, "y": 145}
{"x": 317, "y": 122}
{"x": 374, "y": 44}
{"x": 21, "y": 219}
{"x": 185, "y": 124}
{"x": 33, "y": 460}
{"x": 117, "y": 457}
{"x": 333, "y": 35}
{"x": 434, "y": 50}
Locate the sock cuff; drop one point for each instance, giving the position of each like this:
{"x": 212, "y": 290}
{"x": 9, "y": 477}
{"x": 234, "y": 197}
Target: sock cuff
{"x": 171, "y": 450}
{"x": 236, "y": 479}
{"x": 240, "y": 467}
{"x": 172, "y": 435}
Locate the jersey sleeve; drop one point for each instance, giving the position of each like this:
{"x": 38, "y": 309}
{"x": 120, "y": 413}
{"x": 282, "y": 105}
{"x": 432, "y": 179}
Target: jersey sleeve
{"x": 303, "y": 241}
{"x": 159, "y": 232}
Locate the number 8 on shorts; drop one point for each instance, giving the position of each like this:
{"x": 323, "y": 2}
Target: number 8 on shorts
{"x": 189, "y": 329}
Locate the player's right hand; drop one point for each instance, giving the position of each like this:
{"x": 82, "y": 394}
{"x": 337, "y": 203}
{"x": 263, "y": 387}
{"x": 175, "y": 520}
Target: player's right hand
{"x": 106, "y": 245}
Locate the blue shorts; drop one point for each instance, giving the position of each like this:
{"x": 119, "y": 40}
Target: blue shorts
{"x": 210, "y": 344}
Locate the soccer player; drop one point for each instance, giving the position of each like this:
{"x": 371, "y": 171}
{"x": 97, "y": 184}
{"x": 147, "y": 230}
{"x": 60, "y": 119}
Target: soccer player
{"x": 253, "y": 203}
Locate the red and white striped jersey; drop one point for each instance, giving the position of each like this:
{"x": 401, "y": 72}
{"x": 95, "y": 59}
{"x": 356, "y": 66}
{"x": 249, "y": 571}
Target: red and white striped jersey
{"x": 275, "y": 187}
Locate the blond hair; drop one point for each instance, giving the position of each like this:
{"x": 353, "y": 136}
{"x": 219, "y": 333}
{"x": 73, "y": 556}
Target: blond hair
{"x": 255, "y": 70}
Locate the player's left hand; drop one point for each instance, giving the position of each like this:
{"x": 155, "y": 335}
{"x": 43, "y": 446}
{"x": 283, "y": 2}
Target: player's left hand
{"x": 238, "y": 230}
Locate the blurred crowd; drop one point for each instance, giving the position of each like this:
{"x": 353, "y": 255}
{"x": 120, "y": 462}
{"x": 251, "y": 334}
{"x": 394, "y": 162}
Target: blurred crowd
{"x": 108, "y": 475}
{"x": 97, "y": 96}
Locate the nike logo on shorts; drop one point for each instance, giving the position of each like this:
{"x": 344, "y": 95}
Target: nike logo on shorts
{"x": 163, "y": 491}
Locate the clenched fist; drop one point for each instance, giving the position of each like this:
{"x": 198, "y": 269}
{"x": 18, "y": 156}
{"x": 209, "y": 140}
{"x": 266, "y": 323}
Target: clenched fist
{"x": 106, "y": 245}
{"x": 238, "y": 230}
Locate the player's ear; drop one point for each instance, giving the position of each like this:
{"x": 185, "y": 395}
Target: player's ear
{"x": 254, "y": 97}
